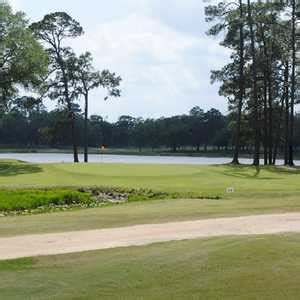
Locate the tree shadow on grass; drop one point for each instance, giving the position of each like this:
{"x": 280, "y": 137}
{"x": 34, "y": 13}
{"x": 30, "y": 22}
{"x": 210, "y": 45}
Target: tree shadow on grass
{"x": 285, "y": 170}
{"x": 247, "y": 172}
{"x": 18, "y": 168}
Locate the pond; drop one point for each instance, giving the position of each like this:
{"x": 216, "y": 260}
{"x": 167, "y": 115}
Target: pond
{"x": 130, "y": 159}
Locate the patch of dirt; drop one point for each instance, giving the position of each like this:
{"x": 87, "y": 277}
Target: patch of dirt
{"x": 70, "y": 242}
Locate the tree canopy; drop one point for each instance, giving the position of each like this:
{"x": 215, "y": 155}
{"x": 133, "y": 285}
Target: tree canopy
{"x": 22, "y": 59}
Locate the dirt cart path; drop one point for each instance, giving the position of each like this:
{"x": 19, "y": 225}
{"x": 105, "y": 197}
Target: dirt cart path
{"x": 70, "y": 242}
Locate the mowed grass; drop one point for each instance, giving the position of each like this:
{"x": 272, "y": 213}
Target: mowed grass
{"x": 145, "y": 212}
{"x": 271, "y": 190}
{"x": 205, "y": 180}
{"x": 264, "y": 267}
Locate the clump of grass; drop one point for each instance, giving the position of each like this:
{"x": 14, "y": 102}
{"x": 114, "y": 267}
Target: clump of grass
{"x": 27, "y": 200}
{"x": 17, "y": 264}
{"x": 35, "y": 201}
{"x": 148, "y": 195}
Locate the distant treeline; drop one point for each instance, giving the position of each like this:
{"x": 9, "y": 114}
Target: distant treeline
{"x": 196, "y": 131}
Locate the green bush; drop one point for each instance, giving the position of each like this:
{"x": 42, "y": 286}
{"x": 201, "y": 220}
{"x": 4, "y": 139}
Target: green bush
{"x": 20, "y": 200}
{"x": 144, "y": 195}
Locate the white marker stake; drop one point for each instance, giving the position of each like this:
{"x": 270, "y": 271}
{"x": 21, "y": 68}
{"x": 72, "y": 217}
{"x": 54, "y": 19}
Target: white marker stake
{"x": 230, "y": 190}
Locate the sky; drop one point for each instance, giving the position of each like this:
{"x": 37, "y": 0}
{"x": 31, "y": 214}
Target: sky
{"x": 158, "y": 47}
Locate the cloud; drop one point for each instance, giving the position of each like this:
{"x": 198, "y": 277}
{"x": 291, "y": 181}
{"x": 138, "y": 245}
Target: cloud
{"x": 16, "y": 4}
{"x": 163, "y": 70}
{"x": 158, "y": 47}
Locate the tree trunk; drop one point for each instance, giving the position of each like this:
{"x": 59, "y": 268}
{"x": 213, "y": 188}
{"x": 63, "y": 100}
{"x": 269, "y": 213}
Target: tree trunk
{"x": 278, "y": 131}
{"x": 280, "y": 126}
{"x": 237, "y": 145}
{"x": 287, "y": 116}
{"x": 69, "y": 106}
{"x": 73, "y": 135}
{"x": 75, "y": 151}
{"x": 293, "y": 87}
{"x": 266, "y": 131}
{"x": 86, "y": 140}
{"x": 254, "y": 92}
{"x": 270, "y": 99}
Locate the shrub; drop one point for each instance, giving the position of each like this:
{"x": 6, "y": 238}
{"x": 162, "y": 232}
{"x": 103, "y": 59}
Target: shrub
{"x": 20, "y": 200}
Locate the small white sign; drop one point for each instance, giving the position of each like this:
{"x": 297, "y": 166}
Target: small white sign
{"x": 230, "y": 190}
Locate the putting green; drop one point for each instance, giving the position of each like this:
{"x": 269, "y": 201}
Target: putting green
{"x": 206, "y": 180}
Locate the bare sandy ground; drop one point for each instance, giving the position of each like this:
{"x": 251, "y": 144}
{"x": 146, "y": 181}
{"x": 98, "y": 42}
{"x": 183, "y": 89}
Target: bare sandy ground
{"x": 71, "y": 242}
